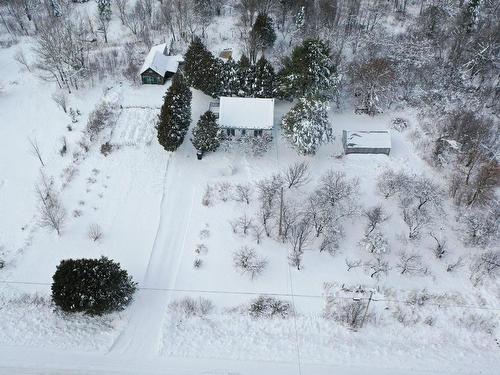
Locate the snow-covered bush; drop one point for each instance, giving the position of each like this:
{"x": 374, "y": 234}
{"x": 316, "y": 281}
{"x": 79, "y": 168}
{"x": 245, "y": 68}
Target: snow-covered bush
{"x": 375, "y": 242}
{"x": 269, "y": 307}
{"x": 399, "y": 124}
{"x": 201, "y": 249}
{"x": 190, "y": 307}
{"x": 92, "y": 286}
{"x": 246, "y": 261}
{"x": 480, "y": 227}
{"x": 476, "y": 322}
{"x": 197, "y": 263}
{"x": 484, "y": 265}
{"x": 208, "y": 194}
{"x": 347, "y": 312}
{"x": 306, "y": 125}
{"x": 104, "y": 116}
{"x": 224, "y": 190}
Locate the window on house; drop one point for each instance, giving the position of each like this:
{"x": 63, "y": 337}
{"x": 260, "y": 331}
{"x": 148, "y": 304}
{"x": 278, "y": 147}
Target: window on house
{"x": 257, "y": 133}
{"x": 230, "y": 132}
{"x": 243, "y": 132}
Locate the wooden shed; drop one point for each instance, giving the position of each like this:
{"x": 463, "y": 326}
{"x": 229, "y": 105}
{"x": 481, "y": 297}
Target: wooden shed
{"x": 366, "y": 141}
{"x": 158, "y": 67}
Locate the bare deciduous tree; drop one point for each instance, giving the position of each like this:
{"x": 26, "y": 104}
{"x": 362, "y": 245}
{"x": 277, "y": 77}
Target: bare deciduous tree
{"x": 440, "y": 248}
{"x": 297, "y": 174}
{"x": 246, "y": 261}
{"x": 484, "y": 265}
{"x": 242, "y": 193}
{"x": 375, "y": 216}
{"x": 352, "y": 263}
{"x": 95, "y": 232}
{"x": 300, "y": 235}
{"x": 411, "y": 264}
{"x": 61, "y": 99}
{"x": 52, "y": 213}
{"x": 20, "y": 57}
{"x": 35, "y": 149}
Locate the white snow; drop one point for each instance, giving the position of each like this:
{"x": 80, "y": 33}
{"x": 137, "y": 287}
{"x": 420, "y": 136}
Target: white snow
{"x": 246, "y": 113}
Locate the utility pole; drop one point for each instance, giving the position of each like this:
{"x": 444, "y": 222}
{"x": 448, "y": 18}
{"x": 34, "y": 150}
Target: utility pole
{"x": 281, "y": 212}
{"x": 366, "y": 310}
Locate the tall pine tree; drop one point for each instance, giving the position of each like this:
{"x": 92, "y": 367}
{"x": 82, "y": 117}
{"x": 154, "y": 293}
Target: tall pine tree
{"x": 263, "y": 34}
{"x": 175, "y": 114}
{"x": 309, "y": 71}
{"x": 246, "y": 76}
{"x": 206, "y": 134}
{"x": 263, "y": 85}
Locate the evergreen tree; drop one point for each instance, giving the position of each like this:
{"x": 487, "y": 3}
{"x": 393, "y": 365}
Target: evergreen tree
{"x": 263, "y": 85}
{"x": 206, "y": 134}
{"x": 310, "y": 70}
{"x": 197, "y": 62}
{"x": 104, "y": 9}
{"x": 93, "y": 286}
{"x": 246, "y": 76}
{"x": 230, "y": 78}
{"x": 175, "y": 114}
{"x": 306, "y": 125}
{"x": 263, "y": 33}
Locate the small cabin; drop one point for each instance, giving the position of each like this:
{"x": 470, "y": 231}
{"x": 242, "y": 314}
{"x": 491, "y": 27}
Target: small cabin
{"x": 366, "y": 141}
{"x": 158, "y": 66}
{"x": 245, "y": 116}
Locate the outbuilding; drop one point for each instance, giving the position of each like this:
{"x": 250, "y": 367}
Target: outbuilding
{"x": 366, "y": 141}
{"x": 245, "y": 116}
{"x": 158, "y": 67}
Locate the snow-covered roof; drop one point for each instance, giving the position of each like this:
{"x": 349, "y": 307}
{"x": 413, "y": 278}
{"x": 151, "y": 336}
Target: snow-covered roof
{"x": 246, "y": 113}
{"x": 157, "y": 61}
{"x": 367, "y": 139}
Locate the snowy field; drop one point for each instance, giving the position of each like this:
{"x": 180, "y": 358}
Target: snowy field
{"x": 148, "y": 203}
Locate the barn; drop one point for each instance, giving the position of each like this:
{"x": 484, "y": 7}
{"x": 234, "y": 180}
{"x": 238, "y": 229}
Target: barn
{"x": 366, "y": 141}
{"x": 158, "y": 67}
{"x": 245, "y": 116}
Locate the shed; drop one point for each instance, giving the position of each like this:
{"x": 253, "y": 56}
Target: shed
{"x": 242, "y": 116}
{"x": 366, "y": 141}
{"x": 158, "y": 66}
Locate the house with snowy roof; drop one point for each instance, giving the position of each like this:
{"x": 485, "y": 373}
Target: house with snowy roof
{"x": 245, "y": 116}
{"x": 366, "y": 141}
{"x": 158, "y": 66}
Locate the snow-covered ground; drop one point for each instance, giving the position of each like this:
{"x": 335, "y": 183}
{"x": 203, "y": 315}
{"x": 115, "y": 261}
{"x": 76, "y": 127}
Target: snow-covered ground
{"x": 148, "y": 203}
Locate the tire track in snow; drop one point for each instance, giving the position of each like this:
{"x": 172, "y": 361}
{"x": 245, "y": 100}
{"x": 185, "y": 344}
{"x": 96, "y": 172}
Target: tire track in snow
{"x": 143, "y": 334}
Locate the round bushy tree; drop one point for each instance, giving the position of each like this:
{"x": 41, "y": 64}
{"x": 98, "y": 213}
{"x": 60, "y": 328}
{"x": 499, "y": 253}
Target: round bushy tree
{"x": 92, "y": 286}
{"x": 206, "y": 134}
{"x": 306, "y": 125}
{"x": 175, "y": 114}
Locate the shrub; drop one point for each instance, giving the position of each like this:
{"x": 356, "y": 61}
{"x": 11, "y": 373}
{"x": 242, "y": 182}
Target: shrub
{"x": 190, "y": 307}
{"x": 269, "y": 307}
{"x": 92, "y": 286}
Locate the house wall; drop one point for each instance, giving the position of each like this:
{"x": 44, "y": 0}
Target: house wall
{"x": 367, "y": 150}
{"x": 151, "y": 77}
{"x": 238, "y": 132}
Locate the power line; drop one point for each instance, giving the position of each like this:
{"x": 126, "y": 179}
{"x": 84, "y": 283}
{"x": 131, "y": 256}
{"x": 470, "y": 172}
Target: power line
{"x": 289, "y": 295}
